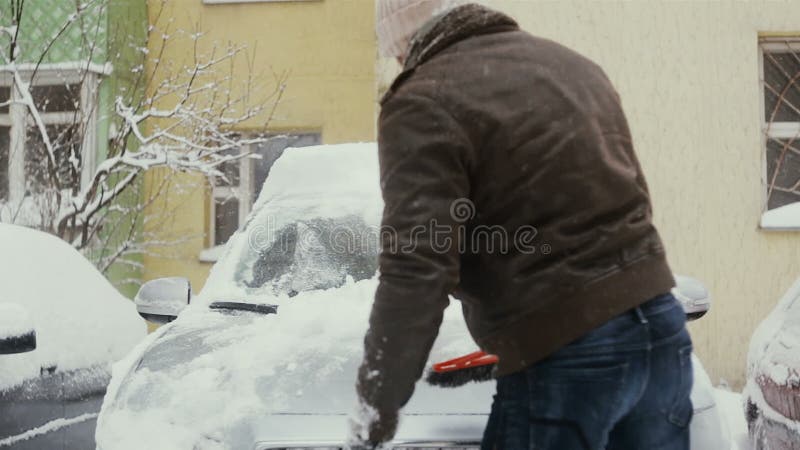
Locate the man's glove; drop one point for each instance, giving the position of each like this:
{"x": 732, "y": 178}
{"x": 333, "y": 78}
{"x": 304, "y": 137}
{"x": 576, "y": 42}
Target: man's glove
{"x": 370, "y": 429}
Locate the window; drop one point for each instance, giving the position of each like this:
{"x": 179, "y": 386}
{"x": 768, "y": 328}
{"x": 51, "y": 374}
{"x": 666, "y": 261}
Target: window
{"x": 780, "y": 64}
{"x": 233, "y": 198}
{"x": 62, "y": 98}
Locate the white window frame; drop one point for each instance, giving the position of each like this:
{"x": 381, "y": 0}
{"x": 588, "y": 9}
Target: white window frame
{"x": 243, "y": 193}
{"x": 776, "y": 130}
{"x": 18, "y": 121}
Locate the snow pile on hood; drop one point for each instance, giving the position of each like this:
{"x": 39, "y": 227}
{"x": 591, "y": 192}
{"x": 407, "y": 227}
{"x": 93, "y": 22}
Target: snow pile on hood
{"x": 79, "y": 318}
{"x": 209, "y": 378}
{"x": 346, "y": 176}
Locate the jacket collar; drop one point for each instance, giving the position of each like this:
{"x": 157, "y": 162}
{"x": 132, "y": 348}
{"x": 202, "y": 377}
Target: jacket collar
{"x": 445, "y": 30}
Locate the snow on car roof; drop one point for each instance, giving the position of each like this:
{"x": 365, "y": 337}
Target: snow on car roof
{"x": 79, "y": 318}
{"x": 340, "y": 172}
{"x": 346, "y": 176}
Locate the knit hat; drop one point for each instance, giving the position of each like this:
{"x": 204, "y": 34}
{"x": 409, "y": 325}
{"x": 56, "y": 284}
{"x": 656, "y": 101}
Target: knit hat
{"x": 398, "y": 20}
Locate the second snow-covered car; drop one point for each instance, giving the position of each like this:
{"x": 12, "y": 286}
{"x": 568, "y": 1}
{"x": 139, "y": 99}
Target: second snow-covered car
{"x": 772, "y": 392}
{"x": 61, "y": 326}
{"x": 265, "y": 357}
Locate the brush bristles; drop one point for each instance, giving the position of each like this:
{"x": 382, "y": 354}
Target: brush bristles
{"x": 460, "y": 377}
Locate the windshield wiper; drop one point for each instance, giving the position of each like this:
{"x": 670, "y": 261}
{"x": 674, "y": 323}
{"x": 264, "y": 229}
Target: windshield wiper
{"x": 262, "y": 308}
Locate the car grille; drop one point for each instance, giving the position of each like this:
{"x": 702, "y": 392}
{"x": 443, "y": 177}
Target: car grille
{"x": 783, "y": 398}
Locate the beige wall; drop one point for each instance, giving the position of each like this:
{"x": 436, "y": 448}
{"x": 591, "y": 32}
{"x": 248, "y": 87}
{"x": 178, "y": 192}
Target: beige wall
{"x": 687, "y": 72}
{"x": 328, "y": 50}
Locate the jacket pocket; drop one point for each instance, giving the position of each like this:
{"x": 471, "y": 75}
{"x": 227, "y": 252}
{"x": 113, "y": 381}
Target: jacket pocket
{"x": 681, "y": 412}
{"x": 566, "y": 374}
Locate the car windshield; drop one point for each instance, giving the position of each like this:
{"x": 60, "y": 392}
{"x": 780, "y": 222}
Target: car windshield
{"x": 314, "y": 226}
{"x": 318, "y": 253}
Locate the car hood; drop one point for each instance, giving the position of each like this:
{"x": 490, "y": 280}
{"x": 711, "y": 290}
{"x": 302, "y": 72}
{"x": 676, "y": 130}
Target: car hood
{"x": 211, "y": 377}
{"x": 327, "y": 431}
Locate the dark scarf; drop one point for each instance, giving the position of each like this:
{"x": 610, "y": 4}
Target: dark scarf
{"x": 447, "y": 29}
{"x": 459, "y": 24}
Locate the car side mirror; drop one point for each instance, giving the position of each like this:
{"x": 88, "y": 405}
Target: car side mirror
{"x": 161, "y": 300}
{"x": 693, "y": 295}
{"x": 16, "y": 330}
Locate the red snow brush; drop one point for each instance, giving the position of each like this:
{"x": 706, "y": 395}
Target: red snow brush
{"x": 476, "y": 366}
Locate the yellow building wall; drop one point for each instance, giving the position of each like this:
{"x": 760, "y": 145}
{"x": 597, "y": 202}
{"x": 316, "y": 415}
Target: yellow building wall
{"x": 327, "y": 50}
{"x": 688, "y": 75}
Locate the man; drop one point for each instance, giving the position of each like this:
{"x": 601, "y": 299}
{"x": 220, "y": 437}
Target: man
{"x": 593, "y": 350}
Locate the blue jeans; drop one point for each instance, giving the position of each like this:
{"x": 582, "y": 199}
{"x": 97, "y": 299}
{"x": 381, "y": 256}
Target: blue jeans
{"x": 623, "y": 386}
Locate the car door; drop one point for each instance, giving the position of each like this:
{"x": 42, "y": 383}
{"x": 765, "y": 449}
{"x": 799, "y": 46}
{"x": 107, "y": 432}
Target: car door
{"x": 83, "y": 394}
{"x": 57, "y": 410}
{"x": 26, "y": 407}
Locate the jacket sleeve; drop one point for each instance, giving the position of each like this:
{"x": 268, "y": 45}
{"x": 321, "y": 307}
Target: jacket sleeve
{"x": 424, "y": 173}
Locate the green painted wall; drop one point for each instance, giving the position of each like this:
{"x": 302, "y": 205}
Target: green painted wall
{"x": 126, "y": 39}
{"x": 79, "y": 36}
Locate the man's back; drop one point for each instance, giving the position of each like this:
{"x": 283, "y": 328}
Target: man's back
{"x": 545, "y": 145}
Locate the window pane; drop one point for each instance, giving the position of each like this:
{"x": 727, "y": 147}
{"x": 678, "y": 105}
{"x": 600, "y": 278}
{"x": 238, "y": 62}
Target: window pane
{"x": 5, "y": 96}
{"x": 4, "y": 152}
{"x": 226, "y": 219}
{"x": 781, "y": 70}
{"x": 232, "y": 170}
{"x": 57, "y": 98}
{"x": 788, "y": 175}
{"x": 272, "y": 149}
{"x": 232, "y": 173}
{"x": 66, "y": 146}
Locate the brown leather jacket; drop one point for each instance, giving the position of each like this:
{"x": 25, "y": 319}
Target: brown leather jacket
{"x": 492, "y": 135}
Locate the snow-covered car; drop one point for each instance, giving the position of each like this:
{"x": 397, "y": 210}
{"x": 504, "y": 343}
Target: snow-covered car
{"x": 61, "y": 326}
{"x": 265, "y": 357}
{"x": 772, "y": 393}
